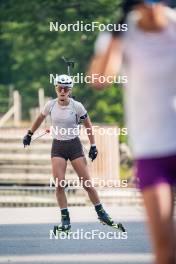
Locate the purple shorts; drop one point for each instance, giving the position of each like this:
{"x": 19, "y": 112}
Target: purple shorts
{"x": 152, "y": 171}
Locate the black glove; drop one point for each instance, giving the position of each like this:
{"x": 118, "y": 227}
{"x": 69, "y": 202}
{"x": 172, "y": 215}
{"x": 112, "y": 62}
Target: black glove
{"x": 27, "y": 139}
{"x": 93, "y": 152}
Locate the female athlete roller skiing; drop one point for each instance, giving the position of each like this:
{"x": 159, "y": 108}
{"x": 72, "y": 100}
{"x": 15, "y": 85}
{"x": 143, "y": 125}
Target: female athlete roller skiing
{"x": 65, "y": 114}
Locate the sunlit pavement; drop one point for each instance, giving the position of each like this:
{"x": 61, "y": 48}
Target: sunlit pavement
{"x": 26, "y": 237}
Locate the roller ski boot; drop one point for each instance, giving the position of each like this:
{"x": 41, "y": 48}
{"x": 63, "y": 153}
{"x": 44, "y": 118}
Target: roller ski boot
{"x": 105, "y": 219}
{"x": 65, "y": 225}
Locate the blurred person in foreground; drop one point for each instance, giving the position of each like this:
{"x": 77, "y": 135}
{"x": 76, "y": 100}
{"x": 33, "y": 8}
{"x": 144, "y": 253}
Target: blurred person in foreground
{"x": 146, "y": 53}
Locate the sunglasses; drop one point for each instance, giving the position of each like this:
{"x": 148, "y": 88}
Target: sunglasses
{"x": 64, "y": 88}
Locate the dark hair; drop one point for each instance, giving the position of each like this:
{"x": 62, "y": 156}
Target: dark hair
{"x": 172, "y": 3}
{"x": 126, "y": 6}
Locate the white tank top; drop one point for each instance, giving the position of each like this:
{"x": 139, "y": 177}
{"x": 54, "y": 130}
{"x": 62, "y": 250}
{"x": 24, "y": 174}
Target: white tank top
{"x": 150, "y": 95}
{"x": 65, "y": 119}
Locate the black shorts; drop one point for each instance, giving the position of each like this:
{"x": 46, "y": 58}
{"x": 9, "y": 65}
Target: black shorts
{"x": 67, "y": 149}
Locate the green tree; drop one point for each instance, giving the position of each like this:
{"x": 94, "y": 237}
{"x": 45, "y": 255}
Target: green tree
{"x": 30, "y": 52}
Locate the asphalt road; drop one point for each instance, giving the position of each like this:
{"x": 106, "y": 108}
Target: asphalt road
{"x": 26, "y": 237}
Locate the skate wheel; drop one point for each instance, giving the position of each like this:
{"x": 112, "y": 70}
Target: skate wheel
{"x": 101, "y": 222}
{"x": 55, "y": 229}
{"x": 120, "y": 226}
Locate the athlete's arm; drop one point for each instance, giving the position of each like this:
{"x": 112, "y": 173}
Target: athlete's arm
{"x": 88, "y": 125}
{"x": 27, "y": 138}
{"x": 37, "y": 123}
{"x": 93, "y": 152}
{"x": 106, "y": 64}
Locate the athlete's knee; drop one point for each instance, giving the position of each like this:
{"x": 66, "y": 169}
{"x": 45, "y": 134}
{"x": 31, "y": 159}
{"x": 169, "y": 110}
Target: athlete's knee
{"x": 60, "y": 184}
{"x": 89, "y": 188}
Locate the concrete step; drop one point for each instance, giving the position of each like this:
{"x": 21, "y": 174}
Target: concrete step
{"x": 12, "y": 132}
{"x": 38, "y": 196}
{"x": 29, "y": 196}
{"x": 30, "y": 178}
{"x": 19, "y": 133}
{"x": 31, "y": 165}
{"x": 35, "y": 201}
{"x": 21, "y": 178}
{"x": 15, "y": 148}
{"x": 29, "y": 168}
{"x": 38, "y": 151}
{"x": 24, "y": 168}
{"x": 26, "y": 158}
{"x": 18, "y": 138}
